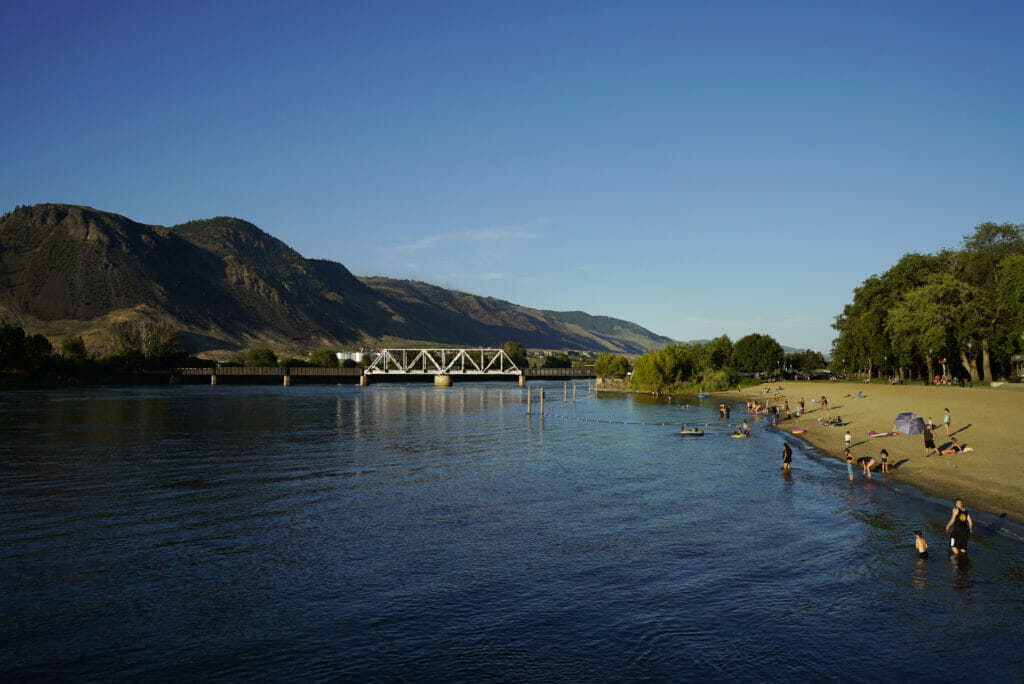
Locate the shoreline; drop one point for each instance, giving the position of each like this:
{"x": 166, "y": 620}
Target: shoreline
{"x": 990, "y": 479}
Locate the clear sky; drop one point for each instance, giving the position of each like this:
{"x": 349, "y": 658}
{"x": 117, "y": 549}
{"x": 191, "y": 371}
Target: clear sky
{"x": 698, "y": 168}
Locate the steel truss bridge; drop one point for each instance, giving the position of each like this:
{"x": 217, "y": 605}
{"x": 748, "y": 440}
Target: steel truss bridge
{"x": 443, "y": 362}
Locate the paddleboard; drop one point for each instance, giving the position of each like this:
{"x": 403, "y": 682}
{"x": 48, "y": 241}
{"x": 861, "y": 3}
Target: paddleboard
{"x": 799, "y": 431}
{"x": 740, "y": 436}
{"x": 884, "y": 434}
{"x": 701, "y": 396}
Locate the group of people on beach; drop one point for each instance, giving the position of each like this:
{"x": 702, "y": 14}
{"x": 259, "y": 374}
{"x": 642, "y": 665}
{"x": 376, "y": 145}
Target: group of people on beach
{"x": 960, "y": 525}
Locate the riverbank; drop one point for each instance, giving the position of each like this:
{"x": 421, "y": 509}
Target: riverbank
{"x": 989, "y": 420}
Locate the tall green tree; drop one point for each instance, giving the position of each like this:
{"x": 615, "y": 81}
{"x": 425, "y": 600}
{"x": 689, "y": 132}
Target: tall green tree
{"x": 758, "y": 353}
{"x": 516, "y": 352}
{"x": 611, "y": 366}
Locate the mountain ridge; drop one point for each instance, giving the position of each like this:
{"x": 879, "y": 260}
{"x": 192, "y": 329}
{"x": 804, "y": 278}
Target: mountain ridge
{"x": 226, "y": 284}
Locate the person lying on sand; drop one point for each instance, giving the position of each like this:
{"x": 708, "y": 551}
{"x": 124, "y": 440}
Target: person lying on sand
{"x": 955, "y": 448}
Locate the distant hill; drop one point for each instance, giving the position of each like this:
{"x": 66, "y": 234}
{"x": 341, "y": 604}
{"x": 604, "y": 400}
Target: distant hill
{"x": 226, "y": 285}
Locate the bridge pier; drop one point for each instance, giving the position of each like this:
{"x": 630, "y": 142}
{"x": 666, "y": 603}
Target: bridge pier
{"x": 442, "y": 381}
{"x": 213, "y": 379}
{"x": 287, "y": 380}
{"x": 522, "y": 380}
{"x": 363, "y": 380}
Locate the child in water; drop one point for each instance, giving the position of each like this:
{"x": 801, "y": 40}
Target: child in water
{"x": 849, "y": 464}
{"x": 885, "y": 460}
{"x": 920, "y": 544}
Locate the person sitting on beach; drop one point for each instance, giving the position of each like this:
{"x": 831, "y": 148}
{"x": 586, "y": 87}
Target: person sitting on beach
{"x": 955, "y": 448}
{"x": 921, "y": 544}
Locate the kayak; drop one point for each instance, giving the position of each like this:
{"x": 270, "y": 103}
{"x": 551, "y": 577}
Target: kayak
{"x": 702, "y": 395}
{"x": 740, "y": 436}
{"x": 692, "y": 433}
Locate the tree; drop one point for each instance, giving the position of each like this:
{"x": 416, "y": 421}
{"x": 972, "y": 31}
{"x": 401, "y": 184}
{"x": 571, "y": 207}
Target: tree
{"x": 73, "y": 349}
{"x": 12, "y": 346}
{"x": 144, "y": 343}
{"x": 718, "y": 353}
{"x": 516, "y": 352}
{"x": 38, "y": 351}
{"x": 323, "y": 357}
{"x": 756, "y": 352}
{"x": 556, "y": 362}
{"x": 257, "y": 358}
{"x": 611, "y": 366}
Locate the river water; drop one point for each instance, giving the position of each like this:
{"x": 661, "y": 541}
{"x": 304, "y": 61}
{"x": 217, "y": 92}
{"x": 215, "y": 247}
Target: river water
{"x": 406, "y": 532}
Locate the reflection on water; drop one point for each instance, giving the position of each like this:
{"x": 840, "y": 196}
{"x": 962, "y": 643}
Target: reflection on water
{"x": 407, "y": 531}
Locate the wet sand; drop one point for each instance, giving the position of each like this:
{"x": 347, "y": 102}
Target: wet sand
{"x": 991, "y": 420}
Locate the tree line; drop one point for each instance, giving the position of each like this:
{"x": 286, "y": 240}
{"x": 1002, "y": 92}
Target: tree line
{"x": 963, "y": 306}
{"x": 713, "y": 366}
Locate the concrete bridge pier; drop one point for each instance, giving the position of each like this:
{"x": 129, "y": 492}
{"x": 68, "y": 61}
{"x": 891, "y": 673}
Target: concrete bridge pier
{"x": 522, "y": 380}
{"x": 213, "y": 379}
{"x": 442, "y": 381}
{"x": 363, "y": 380}
{"x": 287, "y": 380}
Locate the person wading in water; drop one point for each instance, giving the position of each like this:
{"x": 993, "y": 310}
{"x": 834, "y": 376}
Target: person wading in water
{"x": 960, "y": 527}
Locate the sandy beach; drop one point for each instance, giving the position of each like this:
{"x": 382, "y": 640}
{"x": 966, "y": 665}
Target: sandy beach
{"x": 991, "y": 420}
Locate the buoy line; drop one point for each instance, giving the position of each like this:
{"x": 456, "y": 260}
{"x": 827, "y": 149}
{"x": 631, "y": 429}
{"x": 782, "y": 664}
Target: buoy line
{"x": 628, "y": 422}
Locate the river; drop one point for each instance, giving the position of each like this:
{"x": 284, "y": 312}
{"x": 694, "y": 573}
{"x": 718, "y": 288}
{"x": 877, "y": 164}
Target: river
{"x": 407, "y": 532}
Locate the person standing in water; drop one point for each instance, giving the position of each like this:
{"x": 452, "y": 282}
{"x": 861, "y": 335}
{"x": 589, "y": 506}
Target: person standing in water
{"x": 960, "y": 527}
{"x": 921, "y": 544}
{"x": 885, "y": 461}
{"x": 849, "y": 464}
{"x": 787, "y": 456}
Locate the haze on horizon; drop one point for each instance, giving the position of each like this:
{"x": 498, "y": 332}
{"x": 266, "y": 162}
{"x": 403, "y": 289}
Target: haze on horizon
{"x": 697, "y": 168}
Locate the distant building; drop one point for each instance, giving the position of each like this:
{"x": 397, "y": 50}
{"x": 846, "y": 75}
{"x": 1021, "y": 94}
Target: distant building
{"x": 357, "y": 356}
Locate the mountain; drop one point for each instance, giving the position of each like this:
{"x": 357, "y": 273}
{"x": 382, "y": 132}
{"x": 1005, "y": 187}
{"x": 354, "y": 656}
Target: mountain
{"x": 226, "y": 285}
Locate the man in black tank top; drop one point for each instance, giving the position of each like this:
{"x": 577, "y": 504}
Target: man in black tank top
{"x": 960, "y": 527}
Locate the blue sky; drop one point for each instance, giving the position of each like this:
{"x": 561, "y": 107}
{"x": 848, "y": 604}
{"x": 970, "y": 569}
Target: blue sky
{"x": 697, "y": 168}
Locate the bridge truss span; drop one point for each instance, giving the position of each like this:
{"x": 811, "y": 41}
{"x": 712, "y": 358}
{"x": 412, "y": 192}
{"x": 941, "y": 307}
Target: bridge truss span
{"x": 479, "y": 361}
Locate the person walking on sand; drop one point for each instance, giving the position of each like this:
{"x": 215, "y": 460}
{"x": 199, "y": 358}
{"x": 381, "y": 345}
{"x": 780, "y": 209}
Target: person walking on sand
{"x": 929, "y": 442}
{"x": 960, "y": 527}
{"x": 849, "y": 464}
{"x": 848, "y": 439}
{"x": 787, "y": 456}
{"x": 945, "y": 421}
{"x": 885, "y": 461}
{"x": 921, "y": 544}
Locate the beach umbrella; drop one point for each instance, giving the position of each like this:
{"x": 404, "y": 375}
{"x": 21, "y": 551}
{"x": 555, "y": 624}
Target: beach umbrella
{"x": 909, "y": 424}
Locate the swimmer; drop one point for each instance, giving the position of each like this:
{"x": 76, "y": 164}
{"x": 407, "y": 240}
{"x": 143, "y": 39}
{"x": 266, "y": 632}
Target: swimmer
{"x": 921, "y": 544}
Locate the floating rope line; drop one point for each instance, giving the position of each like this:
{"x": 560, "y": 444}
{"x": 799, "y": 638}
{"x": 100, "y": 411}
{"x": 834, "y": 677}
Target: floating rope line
{"x": 652, "y": 423}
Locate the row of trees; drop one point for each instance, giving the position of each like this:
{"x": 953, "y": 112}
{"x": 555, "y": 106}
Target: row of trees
{"x": 965, "y": 306}
{"x": 136, "y": 346}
